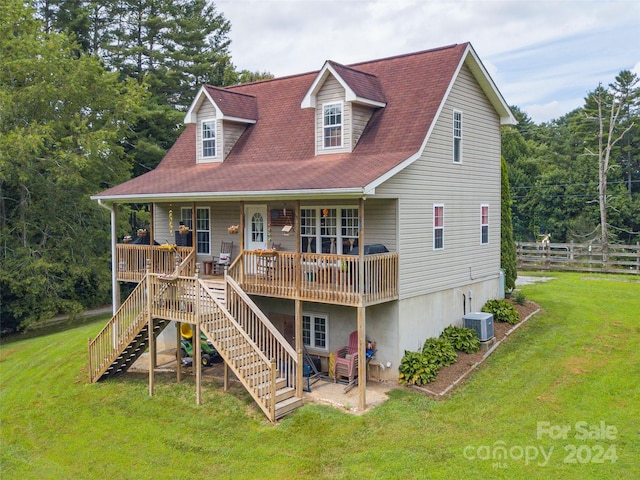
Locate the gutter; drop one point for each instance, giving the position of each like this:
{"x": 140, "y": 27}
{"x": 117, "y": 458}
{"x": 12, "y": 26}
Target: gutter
{"x": 353, "y": 192}
{"x": 114, "y": 282}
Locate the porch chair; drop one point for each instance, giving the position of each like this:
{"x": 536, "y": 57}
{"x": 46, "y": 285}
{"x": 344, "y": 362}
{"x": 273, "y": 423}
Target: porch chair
{"x": 347, "y": 359}
{"x": 224, "y": 260}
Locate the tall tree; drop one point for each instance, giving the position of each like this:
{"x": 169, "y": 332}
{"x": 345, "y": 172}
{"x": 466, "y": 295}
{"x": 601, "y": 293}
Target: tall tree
{"x": 507, "y": 244}
{"x": 608, "y": 108}
{"x": 61, "y": 131}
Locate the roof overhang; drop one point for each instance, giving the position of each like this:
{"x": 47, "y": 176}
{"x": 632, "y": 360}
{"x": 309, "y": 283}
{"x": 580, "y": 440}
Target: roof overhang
{"x": 471, "y": 59}
{"x": 192, "y": 117}
{"x": 354, "y": 192}
{"x": 309, "y": 100}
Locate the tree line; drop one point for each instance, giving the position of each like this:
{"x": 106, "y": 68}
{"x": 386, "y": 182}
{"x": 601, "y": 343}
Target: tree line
{"x": 577, "y": 178}
{"x": 93, "y": 93}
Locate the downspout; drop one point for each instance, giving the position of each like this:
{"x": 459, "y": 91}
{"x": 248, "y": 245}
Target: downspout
{"x": 114, "y": 281}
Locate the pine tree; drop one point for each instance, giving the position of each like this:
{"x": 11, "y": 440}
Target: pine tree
{"x": 507, "y": 244}
{"x": 63, "y": 118}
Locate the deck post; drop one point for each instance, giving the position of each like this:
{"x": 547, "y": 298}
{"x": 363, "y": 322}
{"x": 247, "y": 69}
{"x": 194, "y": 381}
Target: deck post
{"x": 362, "y": 359}
{"x": 196, "y": 338}
{"x": 150, "y": 337}
{"x": 197, "y": 361}
{"x": 178, "y": 353}
{"x": 362, "y": 341}
{"x": 299, "y": 345}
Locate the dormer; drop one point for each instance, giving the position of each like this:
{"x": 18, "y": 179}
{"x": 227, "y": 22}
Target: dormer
{"x": 344, "y": 100}
{"x": 221, "y": 117}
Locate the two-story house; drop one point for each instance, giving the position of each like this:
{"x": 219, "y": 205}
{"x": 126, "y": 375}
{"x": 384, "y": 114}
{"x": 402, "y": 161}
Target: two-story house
{"x": 377, "y": 183}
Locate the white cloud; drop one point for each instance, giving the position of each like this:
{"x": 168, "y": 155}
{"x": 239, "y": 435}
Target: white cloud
{"x": 540, "y": 53}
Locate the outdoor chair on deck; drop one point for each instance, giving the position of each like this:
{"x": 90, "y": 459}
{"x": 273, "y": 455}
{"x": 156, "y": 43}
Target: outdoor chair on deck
{"x": 347, "y": 359}
{"x": 224, "y": 260}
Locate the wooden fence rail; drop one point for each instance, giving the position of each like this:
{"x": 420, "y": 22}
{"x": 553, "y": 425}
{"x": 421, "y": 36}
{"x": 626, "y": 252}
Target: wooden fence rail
{"x": 580, "y": 257}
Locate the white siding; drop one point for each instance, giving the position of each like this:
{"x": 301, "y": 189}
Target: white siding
{"x": 161, "y": 230}
{"x": 361, "y": 116}
{"x": 232, "y": 132}
{"x": 462, "y": 188}
{"x": 380, "y": 222}
{"x": 207, "y": 112}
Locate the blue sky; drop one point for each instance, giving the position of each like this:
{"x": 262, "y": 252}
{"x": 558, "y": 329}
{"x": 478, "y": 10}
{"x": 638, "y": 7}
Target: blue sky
{"x": 544, "y": 55}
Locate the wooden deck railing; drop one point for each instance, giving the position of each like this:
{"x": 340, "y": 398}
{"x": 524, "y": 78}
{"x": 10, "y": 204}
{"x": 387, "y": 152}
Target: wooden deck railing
{"x": 578, "y": 257}
{"x": 318, "y": 277}
{"x": 242, "y": 327}
{"x": 131, "y": 261}
{"x": 265, "y": 335}
{"x": 118, "y": 332}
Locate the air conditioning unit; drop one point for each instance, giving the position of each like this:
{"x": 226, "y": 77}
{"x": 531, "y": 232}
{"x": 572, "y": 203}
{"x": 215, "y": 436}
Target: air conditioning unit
{"x": 481, "y": 322}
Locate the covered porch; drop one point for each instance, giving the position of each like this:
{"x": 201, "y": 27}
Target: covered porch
{"x": 288, "y": 263}
{"x": 335, "y": 279}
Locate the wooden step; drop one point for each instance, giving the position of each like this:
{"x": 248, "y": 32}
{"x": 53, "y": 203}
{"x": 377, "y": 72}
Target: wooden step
{"x": 287, "y": 406}
{"x": 264, "y": 388}
{"x": 282, "y": 394}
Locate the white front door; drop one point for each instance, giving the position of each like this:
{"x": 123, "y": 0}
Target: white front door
{"x": 255, "y": 227}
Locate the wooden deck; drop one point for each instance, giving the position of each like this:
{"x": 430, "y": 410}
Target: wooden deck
{"x": 324, "y": 278}
{"x": 132, "y": 261}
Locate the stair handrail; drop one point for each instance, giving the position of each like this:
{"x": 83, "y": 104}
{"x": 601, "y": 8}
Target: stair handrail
{"x": 267, "y": 405}
{"x": 181, "y": 267}
{"x": 265, "y": 335}
{"x": 227, "y": 314}
{"x": 105, "y": 346}
{"x": 261, "y": 316}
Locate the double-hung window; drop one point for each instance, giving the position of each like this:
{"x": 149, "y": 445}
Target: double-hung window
{"x": 329, "y": 230}
{"x": 203, "y": 228}
{"x": 457, "y": 136}
{"x": 484, "y": 224}
{"x": 314, "y": 330}
{"x": 208, "y": 138}
{"x": 350, "y": 228}
{"x": 438, "y": 227}
{"x": 332, "y": 125}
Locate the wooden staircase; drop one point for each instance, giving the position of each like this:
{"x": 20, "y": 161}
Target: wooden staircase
{"x": 253, "y": 349}
{"x": 258, "y": 355}
{"x": 132, "y": 352}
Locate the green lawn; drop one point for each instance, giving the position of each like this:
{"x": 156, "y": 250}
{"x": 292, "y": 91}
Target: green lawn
{"x": 574, "y": 364}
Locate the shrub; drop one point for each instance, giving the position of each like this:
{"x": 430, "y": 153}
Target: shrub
{"x": 439, "y": 352}
{"x": 519, "y": 297}
{"x": 415, "y": 369}
{"x": 502, "y": 311}
{"x": 463, "y": 339}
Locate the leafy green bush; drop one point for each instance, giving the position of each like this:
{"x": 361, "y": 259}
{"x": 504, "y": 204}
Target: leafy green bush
{"x": 519, "y": 297}
{"x": 415, "y": 369}
{"x": 502, "y": 311}
{"x": 439, "y": 352}
{"x": 463, "y": 339}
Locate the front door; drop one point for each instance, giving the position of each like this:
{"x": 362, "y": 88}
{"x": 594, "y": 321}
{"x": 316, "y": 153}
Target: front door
{"x": 255, "y": 227}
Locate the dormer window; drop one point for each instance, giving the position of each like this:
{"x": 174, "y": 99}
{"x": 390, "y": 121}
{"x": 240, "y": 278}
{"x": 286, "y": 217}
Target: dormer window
{"x": 332, "y": 125}
{"x": 208, "y": 138}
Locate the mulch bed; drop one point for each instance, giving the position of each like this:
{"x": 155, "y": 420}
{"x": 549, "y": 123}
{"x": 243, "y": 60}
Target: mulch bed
{"x": 455, "y": 373}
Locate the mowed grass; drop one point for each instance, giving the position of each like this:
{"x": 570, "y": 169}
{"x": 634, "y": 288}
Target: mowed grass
{"x": 575, "y": 361}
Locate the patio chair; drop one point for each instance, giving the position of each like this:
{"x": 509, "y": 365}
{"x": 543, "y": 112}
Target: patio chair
{"x": 347, "y": 359}
{"x": 224, "y": 260}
